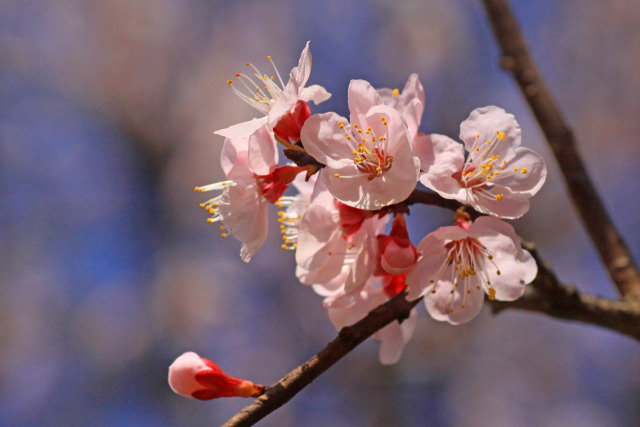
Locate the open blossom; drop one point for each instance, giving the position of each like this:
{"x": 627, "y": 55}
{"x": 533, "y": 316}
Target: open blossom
{"x": 410, "y": 103}
{"x": 249, "y": 161}
{"x": 334, "y": 238}
{"x": 459, "y": 264}
{"x": 193, "y": 376}
{"x": 498, "y": 176}
{"x": 278, "y": 101}
{"x": 369, "y": 162}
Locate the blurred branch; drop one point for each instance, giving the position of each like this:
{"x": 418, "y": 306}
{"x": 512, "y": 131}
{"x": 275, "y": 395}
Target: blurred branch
{"x": 544, "y": 295}
{"x": 516, "y": 58}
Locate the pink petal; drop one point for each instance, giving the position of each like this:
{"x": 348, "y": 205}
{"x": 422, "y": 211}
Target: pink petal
{"x": 394, "y": 337}
{"x": 486, "y": 121}
{"x": 527, "y": 183}
{"x": 262, "y": 153}
{"x": 439, "y": 305}
{"x": 362, "y": 97}
{"x": 244, "y": 213}
{"x": 315, "y": 93}
{"x": 325, "y": 141}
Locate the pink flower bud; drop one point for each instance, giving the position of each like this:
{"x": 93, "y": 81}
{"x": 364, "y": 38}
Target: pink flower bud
{"x": 193, "y": 376}
{"x": 397, "y": 253}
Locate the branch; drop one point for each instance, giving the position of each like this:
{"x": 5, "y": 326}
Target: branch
{"x": 613, "y": 251}
{"x": 397, "y": 308}
{"x": 544, "y": 295}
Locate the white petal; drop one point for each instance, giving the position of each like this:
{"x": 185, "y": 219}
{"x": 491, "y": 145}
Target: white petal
{"x": 486, "y": 121}
{"x": 315, "y": 93}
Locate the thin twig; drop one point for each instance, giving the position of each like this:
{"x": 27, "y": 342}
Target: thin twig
{"x": 516, "y": 58}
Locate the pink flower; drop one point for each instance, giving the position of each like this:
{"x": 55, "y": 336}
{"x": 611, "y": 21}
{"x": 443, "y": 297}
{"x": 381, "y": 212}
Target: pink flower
{"x": 459, "y": 264}
{"x": 193, "y": 376}
{"x": 270, "y": 96}
{"x": 249, "y": 160}
{"x": 498, "y": 176}
{"x": 369, "y": 163}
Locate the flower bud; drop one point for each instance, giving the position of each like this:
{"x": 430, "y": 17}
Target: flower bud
{"x": 193, "y": 376}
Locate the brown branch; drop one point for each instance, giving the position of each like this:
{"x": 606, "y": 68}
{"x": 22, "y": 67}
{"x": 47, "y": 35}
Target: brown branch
{"x": 516, "y": 58}
{"x": 397, "y": 308}
{"x": 544, "y": 295}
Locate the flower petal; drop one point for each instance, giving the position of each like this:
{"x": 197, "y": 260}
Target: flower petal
{"x": 244, "y": 213}
{"x": 447, "y": 306}
{"x": 263, "y": 154}
{"x": 315, "y": 93}
{"x": 393, "y": 338}
{"x": 485, "y": 122}
{"x": 325, "y": 141}
{"x": 531, "y": 181}
{"x": 361, "y": 97}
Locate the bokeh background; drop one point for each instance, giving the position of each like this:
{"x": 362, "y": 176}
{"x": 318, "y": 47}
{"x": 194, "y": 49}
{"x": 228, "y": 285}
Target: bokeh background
{"x": 109, "y": 269}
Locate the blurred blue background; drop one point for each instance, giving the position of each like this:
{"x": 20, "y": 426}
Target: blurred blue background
{"x": 110, "y": 271}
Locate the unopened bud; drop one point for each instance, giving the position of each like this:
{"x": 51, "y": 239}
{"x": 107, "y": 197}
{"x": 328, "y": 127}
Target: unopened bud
{"x": 193, "y": 376}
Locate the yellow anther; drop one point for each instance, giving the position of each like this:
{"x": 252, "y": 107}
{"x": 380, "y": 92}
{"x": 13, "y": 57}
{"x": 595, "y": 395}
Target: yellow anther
{"x": 489, "y": 142}
{"x": 248, "y": 64}
{"x": 209, "y": 220}
{"x": 478, "y": 149}
{"x": 497, "y": 132}
{"x": 197, "y": 189}
{"x": 238, "y": 74}
{"x": 348, "y": 137}
{"x": 355, "y": 153}
{"x": 216, "y": 204}
{"x": 229, "y": 82}
{"x": 501, "y": 136}
{"x": 273, "y": 78}
{"x": 280, "y": 213}
{"x": 202, "y": 205}
{"x": 490, "y": 257}
{"x": 382, "y": 119}
{"x": 463, "y": 306}
{"x": 396, "y": 92}
{"x": 356, "y": 126}
{"x": 221, "y": 228}
{"x": 499, "y": 197}
{"x": 515, "y": 169}
{"x": 269, "y": 57}
{"x": 384, "y": 123}
{"x": 283, "y": 246}
{"x": 337, "y": 175}
{"x": 492, "y": 294}
{"x": 359, "y": 130}
{"x": 330, "y": 253}
{"x": 488, "y": 148}
{"x": 223, "y": 235}
{"x": 523, "y": 170}
{"x": 478, "y": 136}
{"x": 295, "y": 246}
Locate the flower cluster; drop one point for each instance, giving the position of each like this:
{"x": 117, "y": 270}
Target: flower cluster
{"x": 346, "y": 219}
